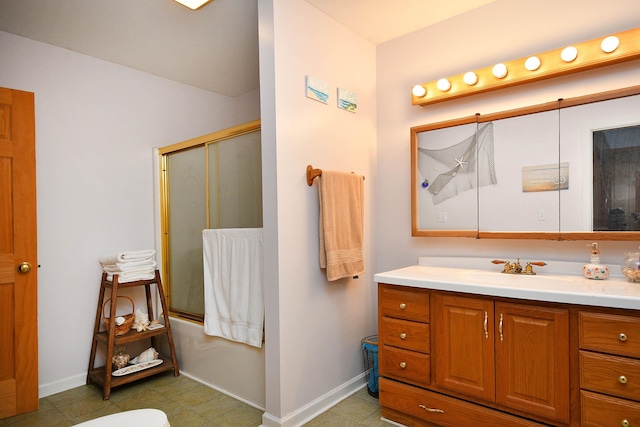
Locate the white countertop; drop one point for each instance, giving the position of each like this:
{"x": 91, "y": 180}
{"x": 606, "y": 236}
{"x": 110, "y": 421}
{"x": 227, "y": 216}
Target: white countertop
{"x": 557, "y": 282}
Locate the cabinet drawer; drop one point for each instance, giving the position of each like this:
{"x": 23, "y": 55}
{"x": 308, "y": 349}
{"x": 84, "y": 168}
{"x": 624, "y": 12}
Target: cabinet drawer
{"x": 404, "y": 303}
{"x": 614, "y": 375}
{"x": 610, "y": 333}
{"x": 405, "y": 365}
{"x": 443, "y": 410}
{"x": 405, "y": 334}
{"x": 599, "y": 410}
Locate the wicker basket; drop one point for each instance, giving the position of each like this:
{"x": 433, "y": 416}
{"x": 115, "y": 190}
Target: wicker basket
{"x": 128, "y": 318}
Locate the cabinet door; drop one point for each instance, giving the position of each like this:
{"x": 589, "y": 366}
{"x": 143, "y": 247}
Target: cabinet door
{"x": 532, "y": 359}
{"x": 464, "y": 345}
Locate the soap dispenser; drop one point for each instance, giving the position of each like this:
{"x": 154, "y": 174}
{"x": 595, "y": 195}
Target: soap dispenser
{"x": 595, "y": 270}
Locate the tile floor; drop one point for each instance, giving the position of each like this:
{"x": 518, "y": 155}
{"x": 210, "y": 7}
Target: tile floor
{"x": 186, "y": 402}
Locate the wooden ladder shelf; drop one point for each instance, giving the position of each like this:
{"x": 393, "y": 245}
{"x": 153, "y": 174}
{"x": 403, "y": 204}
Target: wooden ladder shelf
{"x": 103, "y": 375}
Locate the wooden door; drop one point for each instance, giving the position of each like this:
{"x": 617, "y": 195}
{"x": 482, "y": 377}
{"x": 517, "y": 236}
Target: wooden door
{"x": 18, "y": 290}
{"x": 532, "y": 359}
{"x": 464, "y": 345}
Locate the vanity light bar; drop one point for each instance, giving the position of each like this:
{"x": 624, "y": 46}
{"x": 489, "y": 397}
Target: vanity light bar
{"x": 613, "y": 49}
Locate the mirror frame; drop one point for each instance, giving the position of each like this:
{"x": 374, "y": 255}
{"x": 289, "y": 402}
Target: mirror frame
{"x": 555, "y": 235}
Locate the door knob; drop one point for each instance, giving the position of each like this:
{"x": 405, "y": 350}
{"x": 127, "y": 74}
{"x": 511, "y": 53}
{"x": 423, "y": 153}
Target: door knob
{"x": 24, "y": 267}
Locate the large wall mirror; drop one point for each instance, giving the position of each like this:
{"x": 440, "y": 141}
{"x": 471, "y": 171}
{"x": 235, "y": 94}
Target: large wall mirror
{"x": 565, "y": 170}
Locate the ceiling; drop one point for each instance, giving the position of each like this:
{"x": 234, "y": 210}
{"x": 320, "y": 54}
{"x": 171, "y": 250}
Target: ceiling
{"x": 382, "y": 20}
{"x": 213, "y": 48}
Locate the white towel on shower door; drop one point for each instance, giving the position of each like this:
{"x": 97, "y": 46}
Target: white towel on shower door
{"x": 233, "y": 289}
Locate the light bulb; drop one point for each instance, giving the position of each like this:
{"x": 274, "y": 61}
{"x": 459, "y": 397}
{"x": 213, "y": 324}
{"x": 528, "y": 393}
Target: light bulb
{"x": 609, "y": 44}
{"x": 418, "y": 91}
{"x": 569, "y": 54}
{"x": 532, "y": 63}
{"x": 470, "y": 78}
{"x": 500, "y": 70}
{"x": 444, "y": 85}
{"x": 193, "y": 4}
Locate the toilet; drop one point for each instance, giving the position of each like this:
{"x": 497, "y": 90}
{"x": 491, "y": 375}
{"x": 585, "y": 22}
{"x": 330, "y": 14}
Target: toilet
{"x": 135, "y": 418}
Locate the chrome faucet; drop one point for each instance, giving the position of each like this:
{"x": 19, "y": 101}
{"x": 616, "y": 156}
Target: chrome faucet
{"x": 516, "y": 267}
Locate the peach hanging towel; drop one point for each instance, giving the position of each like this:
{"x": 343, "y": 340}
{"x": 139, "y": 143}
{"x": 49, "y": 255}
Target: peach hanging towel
{"x": 341, "y": 228}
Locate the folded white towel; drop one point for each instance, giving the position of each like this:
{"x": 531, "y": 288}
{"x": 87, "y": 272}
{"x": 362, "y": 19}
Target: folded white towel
{"x": 130, "y": 273}
{"x": 126, "y": 256}
{"x": 233, "y": 290}
{"x": 132, "y": 276}
{"x": 130, "y": 266}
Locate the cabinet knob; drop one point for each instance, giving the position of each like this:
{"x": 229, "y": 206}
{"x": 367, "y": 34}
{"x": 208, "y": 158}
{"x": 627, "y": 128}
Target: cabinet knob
{"x": 622, "y": 337}
{"x": 622, "y": 379}
{"x": 625, "y": 423}
{"x": 403, "y": 336}
{"x": 403, "y": 365}
{"x": 403, "y": 306}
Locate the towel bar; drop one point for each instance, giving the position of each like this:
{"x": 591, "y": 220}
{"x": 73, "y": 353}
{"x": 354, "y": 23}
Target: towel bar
{"x": 313, "y": 174}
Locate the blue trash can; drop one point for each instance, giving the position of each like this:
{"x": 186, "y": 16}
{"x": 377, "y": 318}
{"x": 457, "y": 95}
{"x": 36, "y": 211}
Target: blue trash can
{"x": 370, "y": 357}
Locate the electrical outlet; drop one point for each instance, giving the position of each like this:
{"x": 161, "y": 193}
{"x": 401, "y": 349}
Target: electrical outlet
{"x": 442, "y": 217}
{"x": 542, "y": 215}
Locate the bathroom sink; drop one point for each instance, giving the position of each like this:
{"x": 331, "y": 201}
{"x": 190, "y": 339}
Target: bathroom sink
{"x": 539, "y": 280}
{"x": 557, "y": 281}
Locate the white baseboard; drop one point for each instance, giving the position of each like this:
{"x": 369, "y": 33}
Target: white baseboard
{"x": 392, "y": 422}
{"x": 236, "y": 397}
{"x": 294, "y": 419}
{"x": 45, "y": 390}
{"x": 316, "y": 407}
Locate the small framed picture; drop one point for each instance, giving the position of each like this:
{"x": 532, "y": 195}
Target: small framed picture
{"x": 317, "y": 90}
{"x": 347, "y": 100}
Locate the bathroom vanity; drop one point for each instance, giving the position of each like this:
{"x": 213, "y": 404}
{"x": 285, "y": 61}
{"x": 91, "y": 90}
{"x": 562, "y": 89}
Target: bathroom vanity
{"x": 460, "y": 344}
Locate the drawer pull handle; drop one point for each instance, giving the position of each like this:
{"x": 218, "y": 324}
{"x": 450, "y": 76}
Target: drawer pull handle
{"x": 622, "y": 337}
{"x": 622, "y": 379}
{"x": 403, "y": 336}
{"x": 486, "y": 325}
{"x": 500, "y": 328}
{"x": 403, "y": 306}
{"x": 403, "y": 365}
{"x": 625, "y": 423}
{"x": 439, "y": 411}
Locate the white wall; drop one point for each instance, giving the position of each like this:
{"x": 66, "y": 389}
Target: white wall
{"x": 319, "y": 324}
{"x": 500, "y": 31}
{"x": 96, "y": 125}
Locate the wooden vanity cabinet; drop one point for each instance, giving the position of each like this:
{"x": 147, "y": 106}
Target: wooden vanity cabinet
{"x": 516, "y": 355}
{"x": 464, "y": 345}
{"x": 532, "y": 359}
{"x": 404, "y": 341}
{"x": 609, "y": 369}
{"x": 489, "y": 357}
